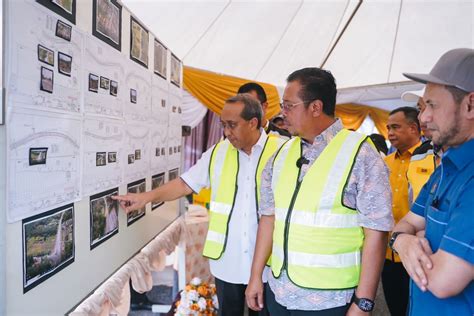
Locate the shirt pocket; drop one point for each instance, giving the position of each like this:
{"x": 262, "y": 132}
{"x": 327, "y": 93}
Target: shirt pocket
{"x": 436, "y": 223}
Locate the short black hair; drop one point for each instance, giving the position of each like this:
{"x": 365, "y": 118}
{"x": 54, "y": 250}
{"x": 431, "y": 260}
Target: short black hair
{"x": 253, "y": 86}
{"x": 317, "y": 84}
{"x": 252, "y": 107}
{"x": 379, "y": 142}
{"x": 411, "y": 115}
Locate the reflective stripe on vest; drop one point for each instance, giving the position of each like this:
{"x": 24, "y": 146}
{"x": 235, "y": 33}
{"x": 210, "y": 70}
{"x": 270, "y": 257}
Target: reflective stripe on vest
{"x": 316, "y": 238}
{"x": 223, "y": 173}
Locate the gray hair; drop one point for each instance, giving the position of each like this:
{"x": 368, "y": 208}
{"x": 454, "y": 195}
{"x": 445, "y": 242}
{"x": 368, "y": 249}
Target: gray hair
{"x": 252, "y": 107}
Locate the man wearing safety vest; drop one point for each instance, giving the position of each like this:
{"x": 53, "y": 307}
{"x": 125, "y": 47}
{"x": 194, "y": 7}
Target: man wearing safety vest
{"x": 232, "y": 169}
{"x": 426, "y": 157}
{"x": 404, "y": 134}
{"x": 326, "y": 210}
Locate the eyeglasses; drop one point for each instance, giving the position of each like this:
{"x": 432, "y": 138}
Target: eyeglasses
{"x": 285, "y": 106}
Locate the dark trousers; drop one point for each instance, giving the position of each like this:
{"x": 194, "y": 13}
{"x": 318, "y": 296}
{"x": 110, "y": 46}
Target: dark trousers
{"x": 275, "y": 309}
{"x": 232, "y": 299}
{"x": 395, "y": 282}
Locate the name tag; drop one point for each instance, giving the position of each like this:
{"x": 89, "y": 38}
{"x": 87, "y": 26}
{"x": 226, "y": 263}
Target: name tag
{"x": 423, "y": 170}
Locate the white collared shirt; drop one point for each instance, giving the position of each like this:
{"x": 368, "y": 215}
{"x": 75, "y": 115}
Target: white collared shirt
{"x": 235, "y": 263}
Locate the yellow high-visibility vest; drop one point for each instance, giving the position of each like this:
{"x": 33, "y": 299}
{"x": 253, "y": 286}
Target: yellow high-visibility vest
{"x": 422, "y": 165}
{"x": 316, "y": 238}
{"x": 223, "y": 172}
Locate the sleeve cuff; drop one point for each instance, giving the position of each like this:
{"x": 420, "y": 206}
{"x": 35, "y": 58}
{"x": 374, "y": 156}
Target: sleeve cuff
{"x": 195, "y": 187}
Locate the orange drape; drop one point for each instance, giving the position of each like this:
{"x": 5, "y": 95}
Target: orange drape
{"x": 352, "y": 116}
{"x": 213, "y": 89}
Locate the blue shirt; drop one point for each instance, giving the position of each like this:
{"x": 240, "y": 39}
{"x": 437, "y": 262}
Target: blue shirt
{"x": 447, "y": 204}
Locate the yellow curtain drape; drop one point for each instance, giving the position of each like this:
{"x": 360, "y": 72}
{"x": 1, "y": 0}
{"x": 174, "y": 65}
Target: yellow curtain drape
{"x": 352, "y": 116}
{"x": 212, "y": 89}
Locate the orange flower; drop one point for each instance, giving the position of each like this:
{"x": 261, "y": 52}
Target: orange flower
{"x": 202, "y": 290}
{"x": 195, "y": 307}
{"x": 213, "y": 290}
{"x": 188, "y": 288}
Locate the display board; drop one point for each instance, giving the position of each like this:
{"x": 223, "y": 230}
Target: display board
{"x": 88, "y": 116}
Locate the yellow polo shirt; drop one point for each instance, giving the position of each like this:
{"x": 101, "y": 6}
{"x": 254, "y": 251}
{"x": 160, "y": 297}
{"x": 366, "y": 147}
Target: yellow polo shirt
{"x": 398, "y": 165}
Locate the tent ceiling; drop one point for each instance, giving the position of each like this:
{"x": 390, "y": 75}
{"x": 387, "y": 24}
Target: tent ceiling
{"x": 267, "y": 40}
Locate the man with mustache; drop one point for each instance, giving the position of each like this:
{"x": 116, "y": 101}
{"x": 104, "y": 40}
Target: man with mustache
{"x": 404, "y": 134}
{"x": 232, "y": 170}
{"x": 325, "y": 196}
{"x": 441, "y": 263}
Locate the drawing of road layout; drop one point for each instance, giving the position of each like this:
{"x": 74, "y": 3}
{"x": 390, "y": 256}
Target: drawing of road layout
{"x": 102, "y": 135}
{"x": 109, "y": 65}
{"x": 25, "y": 67}
{"x": 136, "y": 142}
{"x": 159, "y": 148}
{"x": 139, "y": 79}
{"x": 33, "y": 189}
{"x": 174, "y": 128}
{"x": 160, "y": 102}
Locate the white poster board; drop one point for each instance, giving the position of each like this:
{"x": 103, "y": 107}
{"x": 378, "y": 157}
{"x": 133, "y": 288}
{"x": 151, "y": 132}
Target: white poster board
{"x": 67, "y": 142}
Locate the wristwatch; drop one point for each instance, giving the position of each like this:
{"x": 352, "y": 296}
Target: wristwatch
{"x": 392, "y": 240}
{"x": 364, "y": 304}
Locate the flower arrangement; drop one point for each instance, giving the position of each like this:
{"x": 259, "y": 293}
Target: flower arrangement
{"x": 198, "y": 298}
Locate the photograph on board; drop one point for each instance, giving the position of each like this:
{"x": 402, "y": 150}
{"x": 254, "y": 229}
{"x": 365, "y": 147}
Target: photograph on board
{"x": 93, "y": 83}
{"x": 64, "y": 64}
{"x": 133, "y": 95}
{"x": 38, "y": 156}
{"x": 100, "y": 159}
{"x": 157, "y": 181}
{"x": 63, "y": 30}
{"x": 139, "y": 43}
{"x": 45, "y": 55}
{"x": 46, "y": 83}
{"x": 160, "y": 53}
{"x": 136, "y": 187}
{"x": 175, "y": 75}
{"x": 103, "y": 217}
{"x": 48, "y": 245}
{"x": 173, "y": 174}
{"x": 112, "y": 157}
{"x": 108, "y": 19}
{"x": 113, "y": 88}
{"x": 104, "y": 83}
{"x": 65, "y": 8}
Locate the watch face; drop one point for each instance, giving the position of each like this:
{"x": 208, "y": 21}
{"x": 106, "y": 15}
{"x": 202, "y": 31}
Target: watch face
{"x": 366, "y": 305}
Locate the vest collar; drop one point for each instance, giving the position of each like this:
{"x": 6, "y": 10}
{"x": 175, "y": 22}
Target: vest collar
{"x": 327, "y": 135}
{"x": 409, "y": 151}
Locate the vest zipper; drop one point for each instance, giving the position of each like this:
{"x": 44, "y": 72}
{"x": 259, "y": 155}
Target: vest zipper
{"x": 287, "y": 220}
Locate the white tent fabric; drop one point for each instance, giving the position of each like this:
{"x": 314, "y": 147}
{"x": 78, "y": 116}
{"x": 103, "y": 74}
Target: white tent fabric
{"x": 193, "y": 110}
{"x": 267, "y": 40}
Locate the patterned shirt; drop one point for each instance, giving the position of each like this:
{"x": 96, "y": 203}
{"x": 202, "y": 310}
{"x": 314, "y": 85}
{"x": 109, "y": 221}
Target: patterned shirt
{"x": 368, "y": 191}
